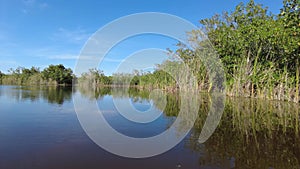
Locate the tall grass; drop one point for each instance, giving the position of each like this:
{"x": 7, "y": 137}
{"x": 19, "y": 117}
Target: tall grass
{"x": 264, "y": 82}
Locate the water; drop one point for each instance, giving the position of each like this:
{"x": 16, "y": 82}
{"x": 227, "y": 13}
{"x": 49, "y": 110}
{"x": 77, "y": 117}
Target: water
{"x": 39, "y": 129}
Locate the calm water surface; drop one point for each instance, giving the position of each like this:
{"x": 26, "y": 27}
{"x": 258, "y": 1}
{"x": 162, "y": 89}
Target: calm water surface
{"x": 39, "y": 129}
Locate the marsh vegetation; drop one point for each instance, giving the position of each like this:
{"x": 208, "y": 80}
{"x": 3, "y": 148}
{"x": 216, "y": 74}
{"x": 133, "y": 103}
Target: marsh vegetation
{"x": 260, "y": 53}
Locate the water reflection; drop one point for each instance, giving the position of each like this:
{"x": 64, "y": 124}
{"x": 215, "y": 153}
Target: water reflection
{"x": 94, "y": 92}
{"x": 52, "y": 94}
{"x": 252, "y": 133}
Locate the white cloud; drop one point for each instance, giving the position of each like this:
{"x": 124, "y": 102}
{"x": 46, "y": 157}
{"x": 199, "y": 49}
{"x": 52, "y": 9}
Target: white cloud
{"x": 8, "y": 62}
{"x": 30, "y": 5}
{"x": 63, "y": 57}
{"x": 56, "y": 55}
{"x": 51, "y": 52}
{"x": 71, "y": 36}
{"x": 82, "y": 57}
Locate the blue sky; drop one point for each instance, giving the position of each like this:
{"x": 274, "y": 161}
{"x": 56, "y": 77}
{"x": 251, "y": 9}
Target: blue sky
{"x": 40, "y": 32}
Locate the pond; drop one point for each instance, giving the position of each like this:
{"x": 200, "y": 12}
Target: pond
{"x": 39, "y": 128}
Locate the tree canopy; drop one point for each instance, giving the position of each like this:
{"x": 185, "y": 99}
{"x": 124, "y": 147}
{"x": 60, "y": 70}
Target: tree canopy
{"x": 58, "y": 73}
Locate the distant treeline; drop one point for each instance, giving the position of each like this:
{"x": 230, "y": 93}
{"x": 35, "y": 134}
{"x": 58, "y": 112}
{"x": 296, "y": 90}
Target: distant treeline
{"x": 52, "y": 75}
{"x": 260, "y": 53}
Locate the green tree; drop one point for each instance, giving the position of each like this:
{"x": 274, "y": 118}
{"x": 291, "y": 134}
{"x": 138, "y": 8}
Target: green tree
{"x": 27, "y": 73}
{"x": 289, "y": 17}
{"x": 58, "y": 73}
{"x": 1, "y": 76}
{"x": 95, "y": 77}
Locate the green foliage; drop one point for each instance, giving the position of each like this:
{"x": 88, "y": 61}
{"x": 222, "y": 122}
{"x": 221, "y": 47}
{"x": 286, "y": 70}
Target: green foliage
{"x": 1, "y": 77}
{"x": 53, "y": 75}
{"x": 95, "y": 77}
{"x": 260, "y": 51}
{"x": 121, "y": 79}
{"x": 135, "y": 81}
{"x": 58, "y": 73}
{"x": 21, "y": 76}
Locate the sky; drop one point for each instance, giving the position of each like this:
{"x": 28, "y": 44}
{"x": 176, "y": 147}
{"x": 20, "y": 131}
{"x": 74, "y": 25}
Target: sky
{"x": 43, "y": 32}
